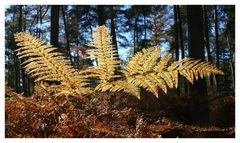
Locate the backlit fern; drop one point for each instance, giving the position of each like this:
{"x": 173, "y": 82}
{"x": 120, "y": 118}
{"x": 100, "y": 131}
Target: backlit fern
{"x": 45, "y": 64}
{"x": 146, "y": 69}
{"x": 104, "y": 53}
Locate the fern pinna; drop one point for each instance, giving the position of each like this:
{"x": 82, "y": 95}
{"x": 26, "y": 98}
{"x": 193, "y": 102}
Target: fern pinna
{"x": 146, "y": 69}
{"x": 45, "y": 64}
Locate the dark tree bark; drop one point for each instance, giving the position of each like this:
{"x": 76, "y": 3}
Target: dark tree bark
{"x": 180, "y": 32}
{"x": 134, "y": 40}
{"x": 54, "y": 25}
{"x": 101, "y": 16}
{"x": 135, "y": 30}
{"x": 20, "y": 21}
{"x": 217, "y": 41}
{"x": 40, "y": 20}
{"x": 66, "y": 33}
{"x": 20, "y": 29}
{"x": 181, "y": 43}
{"x": 15, "y": 60}
{"x": 16, "y": 70}
{"x": 145, "y": 27}
{"x": 196, "y": 50}
{"x": 206, "y": 33}
{"x": 231, "y": 63}
{"x": 113, "y": 30}
{"x": 135, "y": 35}
{"x": 176, "y": 31}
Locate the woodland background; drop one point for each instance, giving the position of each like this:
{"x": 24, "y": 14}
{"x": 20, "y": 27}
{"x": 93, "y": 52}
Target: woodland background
{"x": 204, "y": 32}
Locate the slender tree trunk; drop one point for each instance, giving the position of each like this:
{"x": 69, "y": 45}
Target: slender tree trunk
{"x": 134, "y": 41}
{"x": 54, "y": 25}
{"x": 206, "y": 33}
{"x": 37, "y": 19}
{"x": 135, "y": 35}
{"x": 27, "y": 76}
{"x": 217, "y": 41}
{"x": 181, "y": 44}
{"x": 20, "y": 29}
{"x": 101, "y": 16}
{"x": 145, "y": 28}
{"x": 15, "y": 60}
{"x": 40, "y": 20}
{"x": 180, "y": 32}
{"x": 176, "y": 31}
{"x": 231, "y": 62}
{"x": 196, "y": 50}
{"x": 113, "y": 31}
{"x": 89, "y": 21}
{"x": 66, "y": 33}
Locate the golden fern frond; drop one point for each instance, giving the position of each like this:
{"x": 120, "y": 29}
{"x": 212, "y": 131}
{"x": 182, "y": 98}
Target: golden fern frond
{"x": 43, "y": 63}
{"x": 163, "y": 63}
{"x": 147, "y": 71}
{"x": 144, "y": 70}
{"x": 119, "y": 85}
{"x": 193, "y": 69}
{"x": 104, "y": 53}
{"x": 142, "y": 62}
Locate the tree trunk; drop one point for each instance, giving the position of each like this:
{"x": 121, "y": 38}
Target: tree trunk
{"x": 17, "y": 74}
{"x": 113, "y": 31}
{"x": 196, "y": 50}
{"x": 66, "y": 33}
{"x": 89, "y": 21}
{"x": 28, "y": 85}
{"x": 181, "y": 43}
{"x": 134, "y": 40}
{"x": 206, "y": 32}
{"x": 101, "y": 16}
{"x": 231, "y": 64}
{"x": 15, "y": 60}
{"x": 54, "y": 25}
{"x": 180, "y": 32}
{"x": 20, "y": 29}
{"x": 145, "y": 28}
{"x": 217, "y": 41}
{"x": 176, "y": 31}
{"x": 135, "y": 35}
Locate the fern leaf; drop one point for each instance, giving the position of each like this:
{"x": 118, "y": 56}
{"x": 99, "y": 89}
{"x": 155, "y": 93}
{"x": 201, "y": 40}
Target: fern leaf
{"x": 147, "y": 71}
{"x": 192, "y": 69}
{"x": 45, "y": 64}
{"x": 104, "y": 53}
{"x": 142, "y": 62}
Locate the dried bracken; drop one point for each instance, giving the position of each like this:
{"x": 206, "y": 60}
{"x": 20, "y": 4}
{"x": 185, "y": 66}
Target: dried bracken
{"x": 108, "y": 113}
{"x": 44, "y": 116}
{"x": 145, "y": 70}
{"x": 45, "y": 64}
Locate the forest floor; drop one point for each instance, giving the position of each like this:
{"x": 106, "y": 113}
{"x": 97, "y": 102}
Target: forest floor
{"x": 114, "y": 115}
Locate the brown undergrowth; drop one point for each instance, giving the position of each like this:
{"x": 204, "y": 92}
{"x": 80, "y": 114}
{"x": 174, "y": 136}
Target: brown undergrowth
{"x": 106, "y": 115}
